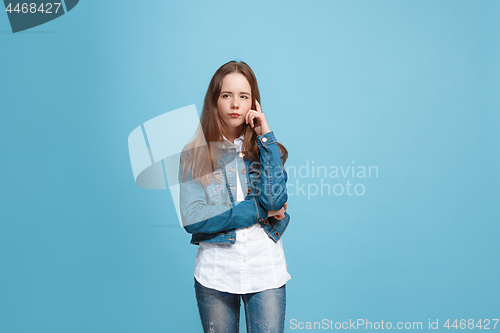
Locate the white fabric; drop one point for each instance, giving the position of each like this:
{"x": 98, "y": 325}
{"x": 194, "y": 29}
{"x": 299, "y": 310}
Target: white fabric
{"x": 253, "y": 263}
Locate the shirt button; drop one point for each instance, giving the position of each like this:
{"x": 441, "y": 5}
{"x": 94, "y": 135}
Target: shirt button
{"x": 276, "y": 234}
{"x": 264, "y": 139}
{"x": 243, "y": 170}
{"x": 249, "y": 191}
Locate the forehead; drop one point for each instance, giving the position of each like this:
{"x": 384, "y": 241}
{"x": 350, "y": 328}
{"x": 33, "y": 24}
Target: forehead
{"x": 235, "y": 81}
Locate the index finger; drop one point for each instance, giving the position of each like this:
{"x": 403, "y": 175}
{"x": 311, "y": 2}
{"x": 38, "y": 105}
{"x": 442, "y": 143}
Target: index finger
{"x": 257, "y": 105}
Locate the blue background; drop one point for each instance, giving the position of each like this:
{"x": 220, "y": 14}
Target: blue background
{"x": 411, "y": 87}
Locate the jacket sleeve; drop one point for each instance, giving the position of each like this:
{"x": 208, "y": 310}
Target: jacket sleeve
{"x": 199, "y": 217}
{"x": 272, "y": 194}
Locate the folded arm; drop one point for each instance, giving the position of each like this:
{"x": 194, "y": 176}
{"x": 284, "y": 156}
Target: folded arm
{"x": 273, "y": 177}
{"x": 200, "y": 217}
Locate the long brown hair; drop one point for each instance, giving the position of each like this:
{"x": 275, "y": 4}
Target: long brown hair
{"x": 212, "y": 127}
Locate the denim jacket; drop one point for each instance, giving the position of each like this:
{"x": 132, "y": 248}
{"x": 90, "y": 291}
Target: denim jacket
{"x": 211, "y": 213}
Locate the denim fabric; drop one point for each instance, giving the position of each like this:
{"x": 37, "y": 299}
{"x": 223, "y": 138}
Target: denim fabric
{"x": 210, "y": 212}
{"x": 220, "y": 311}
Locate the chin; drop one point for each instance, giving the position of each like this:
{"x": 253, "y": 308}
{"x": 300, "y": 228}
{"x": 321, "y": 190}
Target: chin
{"x": 235, "y": 124}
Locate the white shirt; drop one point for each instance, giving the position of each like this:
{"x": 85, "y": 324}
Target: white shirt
{"x": 253, "y": 263}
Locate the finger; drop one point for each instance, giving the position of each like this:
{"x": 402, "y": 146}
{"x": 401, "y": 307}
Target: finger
{"x": 247, "y": 116}
{"x": 257, "y": 105}
{"x": 256, "y": 115}
{"x": 252, "y": 117}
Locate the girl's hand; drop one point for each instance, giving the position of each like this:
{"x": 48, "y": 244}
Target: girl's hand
{"x": 278, "y": 214}
{"x": 260, "y": 126}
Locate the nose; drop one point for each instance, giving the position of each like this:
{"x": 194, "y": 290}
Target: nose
{"x": 234, "y": 103}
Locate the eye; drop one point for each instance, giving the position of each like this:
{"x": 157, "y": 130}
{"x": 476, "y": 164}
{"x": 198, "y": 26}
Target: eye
{"x": 244, "y": 96}
{"x": 225, "y": 96}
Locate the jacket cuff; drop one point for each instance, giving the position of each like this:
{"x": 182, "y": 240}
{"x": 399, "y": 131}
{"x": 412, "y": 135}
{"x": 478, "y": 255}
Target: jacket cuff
{"x": 266, "y": 139}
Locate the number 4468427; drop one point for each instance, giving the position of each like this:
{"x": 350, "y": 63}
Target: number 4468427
{"x": 463, "y": 324}
{"x": 50, "y": 8}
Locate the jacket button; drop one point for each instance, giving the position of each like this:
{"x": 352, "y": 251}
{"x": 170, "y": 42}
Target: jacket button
{"x": 243, "y": 170}
{"x": 266, "y": 222}
{"x": 264, "y": 139}
{"x": 276, "y": 234}
{"x": 249, "y": 190}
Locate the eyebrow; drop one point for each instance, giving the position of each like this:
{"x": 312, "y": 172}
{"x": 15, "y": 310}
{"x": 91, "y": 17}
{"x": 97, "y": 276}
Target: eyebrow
{"x": 230, "y": 92}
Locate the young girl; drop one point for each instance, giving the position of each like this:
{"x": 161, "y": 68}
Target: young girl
{"x": 233, "y": 201}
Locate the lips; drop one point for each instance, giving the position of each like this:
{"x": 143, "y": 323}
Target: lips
{"x": 234, "y": 115}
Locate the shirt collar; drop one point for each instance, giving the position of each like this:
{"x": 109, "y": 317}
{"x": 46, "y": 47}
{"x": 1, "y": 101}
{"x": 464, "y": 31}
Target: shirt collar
{"x": 238, "y": 142}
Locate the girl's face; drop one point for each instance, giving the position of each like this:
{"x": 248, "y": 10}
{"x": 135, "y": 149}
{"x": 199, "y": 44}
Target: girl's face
{"x": 235, "y": 100}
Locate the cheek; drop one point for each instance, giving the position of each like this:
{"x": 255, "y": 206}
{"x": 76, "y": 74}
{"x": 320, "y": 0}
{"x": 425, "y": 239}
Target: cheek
{"x": 220, "y": 106}
{"x": 248, "y": 104}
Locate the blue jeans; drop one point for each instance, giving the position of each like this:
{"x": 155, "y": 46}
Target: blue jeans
{"x": 220, "y": 311}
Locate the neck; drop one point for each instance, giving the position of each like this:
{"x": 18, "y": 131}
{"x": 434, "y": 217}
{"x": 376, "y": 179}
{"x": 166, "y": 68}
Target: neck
{"x": 233, "y": 133}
